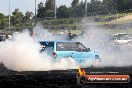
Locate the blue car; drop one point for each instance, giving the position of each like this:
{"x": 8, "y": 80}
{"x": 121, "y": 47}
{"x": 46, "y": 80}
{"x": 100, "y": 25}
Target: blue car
{"x": 75, "y": 50}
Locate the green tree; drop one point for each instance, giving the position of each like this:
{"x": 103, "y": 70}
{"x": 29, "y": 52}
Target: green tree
{"x": 28, "y": 16}
{"x": 2, "y": 16}
{"x": 74, "y": 3}
{"x": 17, "y": 17}
{"x": 111, "y": 5}
{"x": 123, "y": 5}
{"x": 77, "y": 10}
{"x": 41, "y": 12}
{"x": 49, "y": 6}
{"x": 2, "y": 21}
{"x": 94, "y": 6}
{"x": 63, "y": 12}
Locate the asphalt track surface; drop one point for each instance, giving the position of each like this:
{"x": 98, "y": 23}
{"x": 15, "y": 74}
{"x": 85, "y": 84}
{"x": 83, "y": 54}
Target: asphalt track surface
{"x": 56, "y": 79}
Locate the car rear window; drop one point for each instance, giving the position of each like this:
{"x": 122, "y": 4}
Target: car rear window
{"x": 67, "y": 46}
{"x": 46, "y": 45}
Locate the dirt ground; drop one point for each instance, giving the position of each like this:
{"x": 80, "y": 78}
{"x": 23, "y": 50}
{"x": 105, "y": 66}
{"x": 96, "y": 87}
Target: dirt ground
{"x": 56, "y": 79}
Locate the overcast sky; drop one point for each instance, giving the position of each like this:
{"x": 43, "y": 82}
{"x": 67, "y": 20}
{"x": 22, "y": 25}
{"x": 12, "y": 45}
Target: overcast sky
{"x": 26, "y": 5}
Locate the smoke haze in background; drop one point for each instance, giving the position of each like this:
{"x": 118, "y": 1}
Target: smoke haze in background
{"x": 21, "y": 53}
{"x": 41, "y": 34}
{"x": 98, "y": 39}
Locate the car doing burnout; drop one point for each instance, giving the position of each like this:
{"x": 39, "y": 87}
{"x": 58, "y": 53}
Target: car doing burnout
{"x": 75, "y": 50}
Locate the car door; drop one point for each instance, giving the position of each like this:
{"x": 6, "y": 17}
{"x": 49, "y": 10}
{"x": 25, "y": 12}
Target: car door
{"x": 81, "y": 52}
{"x": 63, "y": 49}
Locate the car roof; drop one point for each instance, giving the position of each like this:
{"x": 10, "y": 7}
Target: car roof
{"x": 57, "y": 41}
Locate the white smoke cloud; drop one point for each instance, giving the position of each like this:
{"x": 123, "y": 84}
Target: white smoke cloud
{"x": 22, "y": 54}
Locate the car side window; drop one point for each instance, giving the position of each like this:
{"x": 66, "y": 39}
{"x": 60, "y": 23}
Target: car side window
{"x": 67, "y": 46}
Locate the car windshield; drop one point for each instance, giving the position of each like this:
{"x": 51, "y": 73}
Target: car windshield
{"x": 70, "y": 46}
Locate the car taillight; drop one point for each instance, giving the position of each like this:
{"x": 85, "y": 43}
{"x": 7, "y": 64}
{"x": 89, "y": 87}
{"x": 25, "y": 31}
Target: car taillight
{"x": 54, "y": 54}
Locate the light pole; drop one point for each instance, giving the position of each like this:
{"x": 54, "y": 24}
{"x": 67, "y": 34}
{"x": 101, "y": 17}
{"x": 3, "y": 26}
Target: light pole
{"x": 55, "y": 9}
{"x": 35, "y": 9}
{"x": 9, "y": 16}
{"x": 85, "y": 8}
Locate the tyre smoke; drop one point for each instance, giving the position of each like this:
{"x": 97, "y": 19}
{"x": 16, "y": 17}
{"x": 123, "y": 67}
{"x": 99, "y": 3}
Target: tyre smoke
{"x": 21, "y": 53}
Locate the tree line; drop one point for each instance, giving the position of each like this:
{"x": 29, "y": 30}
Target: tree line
{"x": 17, "y": 18}
{"x": 77, "y": 9}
